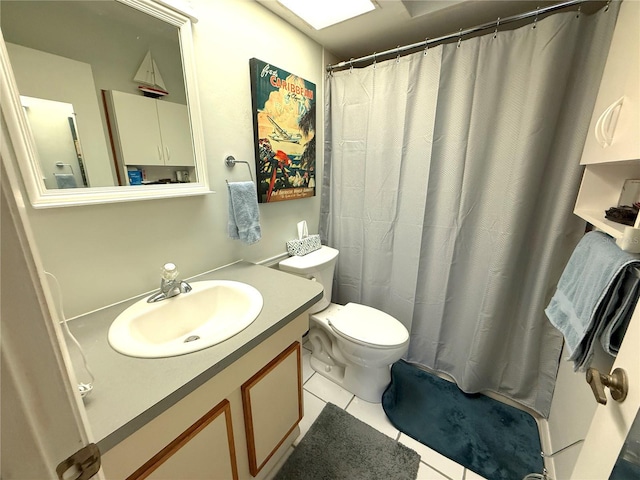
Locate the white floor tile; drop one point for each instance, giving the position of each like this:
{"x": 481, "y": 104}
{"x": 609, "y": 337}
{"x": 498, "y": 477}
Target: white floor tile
{"x": 312, "y": 408}
{"x": 425, "y": 472}
{"x": 372, "y": 414}
{"x": 469, "y": 475}
{"x": 328, "y": 391}
{"x": 432, "y": 458}
{"x": 307, "y": 371}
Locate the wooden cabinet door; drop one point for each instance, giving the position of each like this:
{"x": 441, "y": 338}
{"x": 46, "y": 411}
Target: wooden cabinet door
{"x": 176, "y": 134}
{"x": 203, "y": 451}
{"x": 272, "y": 402}
{"x": 137, "y": 128}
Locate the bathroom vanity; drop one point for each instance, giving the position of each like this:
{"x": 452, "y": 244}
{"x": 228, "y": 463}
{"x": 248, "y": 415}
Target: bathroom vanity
{"x": 229, "y": 411}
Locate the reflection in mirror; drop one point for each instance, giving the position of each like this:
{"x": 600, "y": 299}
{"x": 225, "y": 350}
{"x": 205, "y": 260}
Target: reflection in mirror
{"x": 83, "y": 56}
{"x": 627, "y": 466}
{"x": 57, "y": 143}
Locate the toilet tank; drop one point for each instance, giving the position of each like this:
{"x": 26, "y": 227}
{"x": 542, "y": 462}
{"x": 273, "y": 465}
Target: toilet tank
{"x": 318, "y": 265}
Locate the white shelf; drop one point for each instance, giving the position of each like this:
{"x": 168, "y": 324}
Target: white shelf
{"x": 596, "y": 218}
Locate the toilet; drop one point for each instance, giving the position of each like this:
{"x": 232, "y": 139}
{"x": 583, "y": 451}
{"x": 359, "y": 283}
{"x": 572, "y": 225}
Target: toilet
{"x": 353, "y": 345}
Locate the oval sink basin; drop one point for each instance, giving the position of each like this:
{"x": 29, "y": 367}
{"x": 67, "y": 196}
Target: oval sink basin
{"x": 210, "y": 313}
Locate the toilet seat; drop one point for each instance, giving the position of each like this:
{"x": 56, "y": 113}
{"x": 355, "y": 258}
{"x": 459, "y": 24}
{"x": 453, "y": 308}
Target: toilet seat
{"x": 368, "y": 326}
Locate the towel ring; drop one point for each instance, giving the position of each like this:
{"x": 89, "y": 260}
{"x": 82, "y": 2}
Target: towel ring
{"x": 230, "y": 162}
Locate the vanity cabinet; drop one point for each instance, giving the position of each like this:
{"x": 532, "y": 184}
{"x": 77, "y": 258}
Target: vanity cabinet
{"x": 257, "y": 405}
{"x": 149, "y": 131}
{"x": 612, "y": 150}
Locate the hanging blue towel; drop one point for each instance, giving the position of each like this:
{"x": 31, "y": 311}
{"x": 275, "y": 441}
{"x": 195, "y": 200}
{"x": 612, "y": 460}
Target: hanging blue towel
{"x": 65, "y": 180}
{"x": 244, "y": 216}
{"x": 595, "y": 297}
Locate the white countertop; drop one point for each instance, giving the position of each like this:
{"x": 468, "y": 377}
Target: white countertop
{"x": 129, "y": 392}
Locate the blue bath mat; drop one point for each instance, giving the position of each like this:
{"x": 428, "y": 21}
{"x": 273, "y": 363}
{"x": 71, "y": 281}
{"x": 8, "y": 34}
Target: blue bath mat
{"x": 488, "y": 437}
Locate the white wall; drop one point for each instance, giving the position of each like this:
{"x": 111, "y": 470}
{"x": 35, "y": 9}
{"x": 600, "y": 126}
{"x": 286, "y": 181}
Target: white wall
{"x": 112, "y": 46}
{"x": 105, "y": 253}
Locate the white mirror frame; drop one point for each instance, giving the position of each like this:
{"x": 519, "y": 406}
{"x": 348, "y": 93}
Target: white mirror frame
{"x": 24, "y": 144}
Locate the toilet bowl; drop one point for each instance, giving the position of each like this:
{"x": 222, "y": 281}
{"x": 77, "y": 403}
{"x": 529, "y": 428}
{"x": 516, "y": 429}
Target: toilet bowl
{"x": 353, "y": 345}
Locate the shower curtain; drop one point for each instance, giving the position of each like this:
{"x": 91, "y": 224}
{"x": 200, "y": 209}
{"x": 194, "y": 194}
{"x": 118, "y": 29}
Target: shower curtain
{"x": 449, "y": 184}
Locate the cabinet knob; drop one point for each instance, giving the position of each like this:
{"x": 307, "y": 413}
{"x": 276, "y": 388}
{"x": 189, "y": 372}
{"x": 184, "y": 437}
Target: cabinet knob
{"x": 617, "y": 382}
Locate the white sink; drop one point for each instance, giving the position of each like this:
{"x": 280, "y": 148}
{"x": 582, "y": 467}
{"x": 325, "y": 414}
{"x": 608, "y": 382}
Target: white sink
{"x": 210, "y": 313}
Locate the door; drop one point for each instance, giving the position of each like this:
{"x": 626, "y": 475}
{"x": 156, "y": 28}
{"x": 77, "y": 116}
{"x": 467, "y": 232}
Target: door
{"x": 138, "y": 131}
{"x": 43, "y": 418}
{"x": 612, "y": 422}
{"x": 175, "y": 131}
{"x": 204, "y": 451}
{"x": 272, "y": 405}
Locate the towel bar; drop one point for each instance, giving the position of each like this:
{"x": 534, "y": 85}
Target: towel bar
{"x": 230, "y": 162}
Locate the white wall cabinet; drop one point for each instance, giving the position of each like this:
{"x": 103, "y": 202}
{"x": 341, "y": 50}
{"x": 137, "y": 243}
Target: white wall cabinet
{"x": 258, "y": 405}
{"x": 149, "y": 131}
{"x": 615, "y": 125}
{"x": 612, "y": 150}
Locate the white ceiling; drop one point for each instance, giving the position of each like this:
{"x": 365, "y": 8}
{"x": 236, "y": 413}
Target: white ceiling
{"x": 402, "y": 22}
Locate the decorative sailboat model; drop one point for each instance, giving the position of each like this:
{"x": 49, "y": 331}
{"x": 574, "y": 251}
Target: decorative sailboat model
{"x": 149, "y": 76}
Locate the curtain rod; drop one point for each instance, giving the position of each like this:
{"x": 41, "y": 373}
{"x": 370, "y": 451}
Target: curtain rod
{"x": 461, "y": 33}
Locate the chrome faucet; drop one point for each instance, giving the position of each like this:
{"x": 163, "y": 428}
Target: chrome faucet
{"x": 170, "y": 286}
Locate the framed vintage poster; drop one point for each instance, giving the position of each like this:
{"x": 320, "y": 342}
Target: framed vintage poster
{"x": 284, "y": 121}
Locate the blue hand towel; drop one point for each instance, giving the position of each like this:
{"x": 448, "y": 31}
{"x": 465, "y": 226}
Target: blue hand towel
{"x": 595, "y": 297}
{"x": 244, "y": 216}
{"x": 65, "y": 180}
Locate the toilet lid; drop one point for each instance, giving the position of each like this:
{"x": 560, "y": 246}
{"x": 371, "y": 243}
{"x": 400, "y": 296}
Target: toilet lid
{"x": 368, "y": 325}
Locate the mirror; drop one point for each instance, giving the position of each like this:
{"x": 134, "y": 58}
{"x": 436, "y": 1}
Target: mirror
{"x": 630, "y": 194}
{"x": 54, "y": 130}
{"x": 100, "y": 101}
{"x": 628, "y": 464}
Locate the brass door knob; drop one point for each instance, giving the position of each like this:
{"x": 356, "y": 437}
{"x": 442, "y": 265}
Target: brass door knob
{"x": 617, "y": 383}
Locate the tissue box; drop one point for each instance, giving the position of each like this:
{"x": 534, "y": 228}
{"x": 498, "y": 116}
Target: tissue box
{"x": 302, "y": 247}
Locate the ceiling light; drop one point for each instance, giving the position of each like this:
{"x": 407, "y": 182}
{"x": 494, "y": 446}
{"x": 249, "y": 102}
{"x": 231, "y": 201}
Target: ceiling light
{"x": 323, "y": 13}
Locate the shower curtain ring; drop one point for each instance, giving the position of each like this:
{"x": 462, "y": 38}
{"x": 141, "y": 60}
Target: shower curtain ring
{"x": 398, "y": 52}
{"x": 606, "y": 8}
{"x": 495, "y": 32}
{"x": 426, "y": 46}
{"x": 579, "y": 8}
{"x": 535, "y": 20}
{"x": 351, "y": 65}
{"x": 374, "y": 60}
{"x": 459, "y": 38}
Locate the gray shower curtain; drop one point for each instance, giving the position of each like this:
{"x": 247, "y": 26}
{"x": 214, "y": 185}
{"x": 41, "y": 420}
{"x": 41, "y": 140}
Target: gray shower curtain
{"x": 449, "y": 184}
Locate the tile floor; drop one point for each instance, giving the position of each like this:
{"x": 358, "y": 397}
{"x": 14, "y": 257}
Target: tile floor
{"x": 319, "y": 390}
